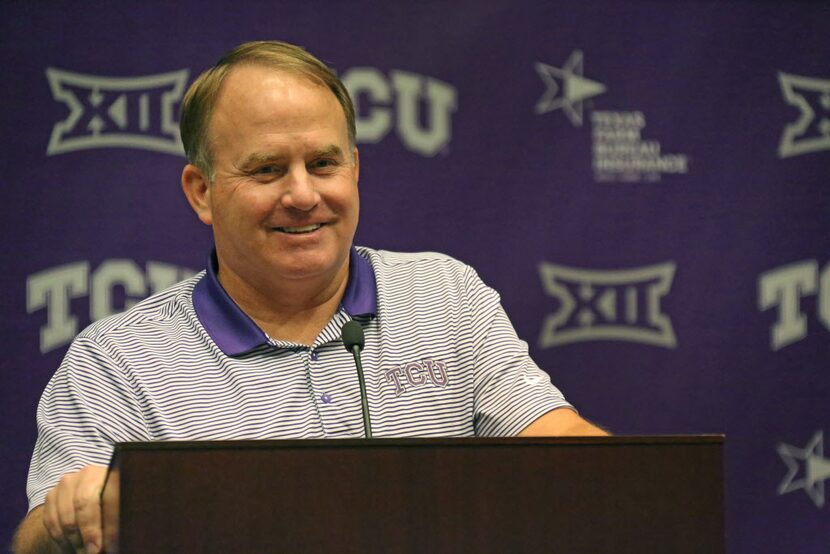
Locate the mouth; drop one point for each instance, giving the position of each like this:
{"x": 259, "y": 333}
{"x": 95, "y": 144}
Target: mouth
{"x": 299, "y": 230}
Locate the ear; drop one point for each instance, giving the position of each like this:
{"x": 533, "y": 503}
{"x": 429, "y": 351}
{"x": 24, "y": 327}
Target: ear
{"x": 196, "y": 187}
{"x": 356, "y": 165}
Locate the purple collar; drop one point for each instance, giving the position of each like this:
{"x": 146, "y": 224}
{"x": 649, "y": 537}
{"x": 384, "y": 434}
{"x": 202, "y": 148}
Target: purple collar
{"x": 235, "y": 333}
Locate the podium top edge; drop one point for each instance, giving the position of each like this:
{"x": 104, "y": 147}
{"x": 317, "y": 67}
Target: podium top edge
{"x": 653, "y": 440}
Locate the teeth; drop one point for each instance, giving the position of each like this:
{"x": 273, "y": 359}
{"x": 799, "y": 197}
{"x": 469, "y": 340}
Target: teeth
{"x": 303, "y": 229}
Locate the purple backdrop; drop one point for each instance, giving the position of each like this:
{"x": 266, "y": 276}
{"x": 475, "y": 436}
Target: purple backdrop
{"x": 644, "y": 182}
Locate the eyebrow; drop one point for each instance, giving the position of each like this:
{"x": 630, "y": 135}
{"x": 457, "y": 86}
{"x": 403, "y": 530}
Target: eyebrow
{"x": 331, "y": 150}
{"x": 258, "y": 158}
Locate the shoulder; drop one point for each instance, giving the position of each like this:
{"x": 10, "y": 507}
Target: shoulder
{"x": 424, "y": 278}
{"x": 396, "y": 264}
{"x": 162, "y": 309}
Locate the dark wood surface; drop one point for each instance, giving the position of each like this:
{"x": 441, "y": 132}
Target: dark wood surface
{"x": 568, "y": 495}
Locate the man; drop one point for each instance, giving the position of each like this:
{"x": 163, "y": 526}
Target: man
{"x": 251, "y": 348}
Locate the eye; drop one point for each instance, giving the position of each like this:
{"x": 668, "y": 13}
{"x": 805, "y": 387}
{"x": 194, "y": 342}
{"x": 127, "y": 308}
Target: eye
{"x": 322, "y": 164}
{"x": 265, "y": 170}
{"x": 266, "y": 173}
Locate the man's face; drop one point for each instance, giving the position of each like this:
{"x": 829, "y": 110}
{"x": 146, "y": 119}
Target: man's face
{"x": 284, "y": 202}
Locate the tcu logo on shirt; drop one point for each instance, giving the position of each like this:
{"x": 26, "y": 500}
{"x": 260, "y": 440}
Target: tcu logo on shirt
{"x": 417, "y": 374}
{"x": 127, "y": 112}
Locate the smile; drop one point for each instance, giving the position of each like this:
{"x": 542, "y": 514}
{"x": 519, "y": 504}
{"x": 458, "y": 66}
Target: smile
{"x": 300, "y": 230}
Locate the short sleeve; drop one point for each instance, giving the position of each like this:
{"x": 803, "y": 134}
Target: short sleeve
{"x": 85, "y": 409}
{"x": 511, "y": 391}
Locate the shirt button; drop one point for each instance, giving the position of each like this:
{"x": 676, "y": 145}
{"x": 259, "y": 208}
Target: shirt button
{"x": 326, "y": 398}
{"x": 314, "y": 356}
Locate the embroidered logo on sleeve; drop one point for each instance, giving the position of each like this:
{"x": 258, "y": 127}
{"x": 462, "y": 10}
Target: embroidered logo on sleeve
{"x": 412, "y": 375}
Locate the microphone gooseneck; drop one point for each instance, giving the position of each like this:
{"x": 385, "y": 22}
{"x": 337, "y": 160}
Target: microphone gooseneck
{"x": 353, "y": 340}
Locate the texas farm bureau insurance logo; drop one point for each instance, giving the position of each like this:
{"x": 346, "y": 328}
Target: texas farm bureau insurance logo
{"x": 807, "y": 468}
{"x": 618, "y": 304}
{"x": 141, "y": 112}
{"x": 811, "y": 131}
{"x": 620, "y": 151}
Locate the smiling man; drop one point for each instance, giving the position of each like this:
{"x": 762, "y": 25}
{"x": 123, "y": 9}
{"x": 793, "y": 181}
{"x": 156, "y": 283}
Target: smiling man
{"x": 283, "y": 199}
{"x": 251, "y": 348}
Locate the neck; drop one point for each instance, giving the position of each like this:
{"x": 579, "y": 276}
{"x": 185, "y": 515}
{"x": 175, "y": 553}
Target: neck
{"x": 294, "y": 311}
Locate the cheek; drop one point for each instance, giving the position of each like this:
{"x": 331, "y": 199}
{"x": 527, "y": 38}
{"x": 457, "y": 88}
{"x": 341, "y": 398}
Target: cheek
{"x": 346, "y": 198}
{"x": 249, "y": 206}
{"x": 356, "y": 204}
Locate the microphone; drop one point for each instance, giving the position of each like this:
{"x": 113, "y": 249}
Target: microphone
{"x": 352, "y": 333}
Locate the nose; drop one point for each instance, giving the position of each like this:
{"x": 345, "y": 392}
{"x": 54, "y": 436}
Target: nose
{"x": 300, "y": 191}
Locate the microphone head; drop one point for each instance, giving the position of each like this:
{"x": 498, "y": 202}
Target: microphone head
{"x": 352, "y": 335}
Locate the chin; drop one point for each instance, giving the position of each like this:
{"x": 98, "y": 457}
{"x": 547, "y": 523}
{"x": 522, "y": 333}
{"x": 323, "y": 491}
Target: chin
{"x": 304, "y": 267}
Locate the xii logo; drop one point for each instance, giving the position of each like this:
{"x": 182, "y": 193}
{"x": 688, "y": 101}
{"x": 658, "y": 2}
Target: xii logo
{"x": 811, "y": 131}
{"x": 608, "y": 305}
{"x": 127, "y": 112}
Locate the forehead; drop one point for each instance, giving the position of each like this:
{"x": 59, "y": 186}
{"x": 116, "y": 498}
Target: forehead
{"x": 255, "y": 93}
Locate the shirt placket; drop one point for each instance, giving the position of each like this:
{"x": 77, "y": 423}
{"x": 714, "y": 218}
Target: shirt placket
{"x": 332, "y": 377}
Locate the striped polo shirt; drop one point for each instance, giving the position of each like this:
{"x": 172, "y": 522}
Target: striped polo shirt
{"x": 440, "y": 359}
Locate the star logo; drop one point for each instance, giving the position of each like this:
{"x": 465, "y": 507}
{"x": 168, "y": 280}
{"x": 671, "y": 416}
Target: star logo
{"x": 816, "y": 469}
{"x": 567, "y": 88}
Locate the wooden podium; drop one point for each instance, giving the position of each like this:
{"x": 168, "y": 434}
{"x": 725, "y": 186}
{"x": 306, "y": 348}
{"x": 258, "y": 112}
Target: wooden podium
{"x": 603, "y": 495}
